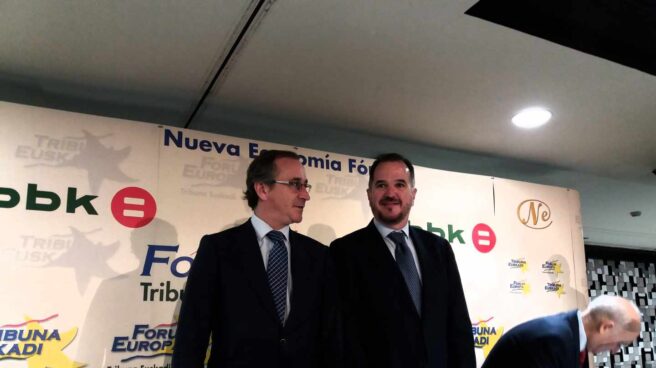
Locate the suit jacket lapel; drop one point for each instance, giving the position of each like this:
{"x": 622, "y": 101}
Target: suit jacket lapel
{"x": 431, "y": 275}
{"x": 301, "y": 287}
{"x": 379, "y": 254}
{"x": 572, "y": 321}
{"x": 253, "y": 266}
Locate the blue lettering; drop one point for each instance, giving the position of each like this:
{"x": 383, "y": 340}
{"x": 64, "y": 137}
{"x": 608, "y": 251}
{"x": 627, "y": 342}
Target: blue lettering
{"x": 151, "y": 258}
{"x": 352, "y": 165}
{"x": 139, "y": 329}
{"x": 193, "y": 143}
{"x": 54, "y": 335}
{"x": 119, "y": 344}
{"x": 219, "y": 147}
{"x": 206, "y": 146}
{"x": 29, "y": 349}
{"x": 253, "y": 149}
{"x": 14, "y": 350}
{"x": 168, "y": 136}
{"x": 174, "y": 266}
{"x": 10, "y": 335}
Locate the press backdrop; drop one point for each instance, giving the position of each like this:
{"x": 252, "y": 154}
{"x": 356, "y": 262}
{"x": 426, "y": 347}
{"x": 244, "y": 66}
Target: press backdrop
{"x": 101, "y": 219}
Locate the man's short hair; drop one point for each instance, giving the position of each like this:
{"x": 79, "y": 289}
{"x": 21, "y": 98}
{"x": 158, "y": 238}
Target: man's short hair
{"x": 263, "y": 170}
{"x": 391, "y": 157}
{"x": 614, "y": 309}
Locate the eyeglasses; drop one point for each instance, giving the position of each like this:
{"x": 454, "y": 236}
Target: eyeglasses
{"x": 296, "y": 184}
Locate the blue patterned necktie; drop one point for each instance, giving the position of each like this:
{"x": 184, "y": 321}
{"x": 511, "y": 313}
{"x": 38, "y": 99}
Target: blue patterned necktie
{"x": 407, "y": 266}
{"x": 277, "y": 272}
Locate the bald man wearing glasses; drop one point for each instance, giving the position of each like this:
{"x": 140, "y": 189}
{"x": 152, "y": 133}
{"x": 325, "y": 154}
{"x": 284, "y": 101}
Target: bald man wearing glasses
{"x": 261, "y": 292}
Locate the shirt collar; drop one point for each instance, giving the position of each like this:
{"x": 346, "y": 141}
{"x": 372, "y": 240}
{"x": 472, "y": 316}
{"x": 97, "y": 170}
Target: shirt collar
{"x": 583, "y": 340}
{"x": 262, "y": 228}
{"x": 384, "y": 230}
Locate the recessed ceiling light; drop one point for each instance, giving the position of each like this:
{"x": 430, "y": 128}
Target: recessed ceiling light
{"x": 532, "y": 117}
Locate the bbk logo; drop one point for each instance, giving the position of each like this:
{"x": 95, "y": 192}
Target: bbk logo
{"x": 42, "y": 200}
{"x": 482, "y": 236}
{"x": 131, "y": 207}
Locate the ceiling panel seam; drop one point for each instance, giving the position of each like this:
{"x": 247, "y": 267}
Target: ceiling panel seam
{"x": 246, "y": 27}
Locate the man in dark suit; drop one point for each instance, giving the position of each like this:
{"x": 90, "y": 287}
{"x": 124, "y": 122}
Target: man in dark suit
{"x": 402, "y": 300}
{"x": 263, "y": 293}
{"x": 564, "y": 340}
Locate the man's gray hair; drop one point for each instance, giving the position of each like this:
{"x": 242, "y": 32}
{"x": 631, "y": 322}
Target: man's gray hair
{"x": 615, "y": 309}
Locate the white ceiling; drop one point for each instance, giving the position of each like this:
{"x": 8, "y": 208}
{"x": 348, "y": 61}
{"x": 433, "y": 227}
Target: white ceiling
{"x": 419, "y": 70}
{"x": 424, "y": 71}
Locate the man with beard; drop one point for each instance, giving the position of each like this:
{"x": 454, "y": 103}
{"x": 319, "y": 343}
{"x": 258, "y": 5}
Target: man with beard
{"x": 400, "y": 292}
{"x": 262, "y": 293}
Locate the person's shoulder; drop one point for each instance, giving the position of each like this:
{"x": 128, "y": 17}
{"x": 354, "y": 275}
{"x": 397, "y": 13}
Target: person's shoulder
{"x": 309, "y": 246}
{"x": 428, "y": 237}
{"x": 227, "y": 234}
{"x": 564, "y": 320}
{"x": 546, "y": 326}
{"x": 306, "y": 241}
{"x": 421, "y": 232}
{"x": 533, "y": 341}
{"x": 356, "y": 237}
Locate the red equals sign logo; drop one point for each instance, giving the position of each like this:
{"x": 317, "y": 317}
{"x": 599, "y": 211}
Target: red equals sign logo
{"x": 133, "y": 207}
{"x": 484, "y": 238}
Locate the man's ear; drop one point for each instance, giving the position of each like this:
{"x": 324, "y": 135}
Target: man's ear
{"x": 262, "y": 190}
{"x": 606, "y": 325}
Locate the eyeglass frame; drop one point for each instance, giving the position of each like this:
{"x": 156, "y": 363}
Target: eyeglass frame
{"x": 296, "y": 184}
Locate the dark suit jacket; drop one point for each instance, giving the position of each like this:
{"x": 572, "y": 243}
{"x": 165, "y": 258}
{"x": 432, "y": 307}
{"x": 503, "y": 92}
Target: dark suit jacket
{"x": 549, "y": 342}
{"x": 381, "y": 326}
{"x": 228, "y": 297}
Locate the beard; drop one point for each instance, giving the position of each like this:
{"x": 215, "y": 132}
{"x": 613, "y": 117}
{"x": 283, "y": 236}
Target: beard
{"x": 390, "y": 218}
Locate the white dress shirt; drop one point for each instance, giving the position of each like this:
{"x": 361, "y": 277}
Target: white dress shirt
{"x": 583, "y": 340}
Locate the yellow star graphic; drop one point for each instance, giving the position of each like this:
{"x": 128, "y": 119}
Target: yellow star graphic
{"x": 492, "y": 338}
{"x": 557, "y": 267}
{"x": 52, "y": 355}
{"x": 560, "y": 289}
{"x": 526, "y": 288}
{"x": 524, "y": 267}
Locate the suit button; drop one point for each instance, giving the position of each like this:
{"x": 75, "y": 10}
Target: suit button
{"x": 283, "y": 342}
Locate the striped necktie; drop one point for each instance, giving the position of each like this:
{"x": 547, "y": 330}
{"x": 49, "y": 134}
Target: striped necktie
{"x": 407, "y": 266}
{"x": 277, "y": 272}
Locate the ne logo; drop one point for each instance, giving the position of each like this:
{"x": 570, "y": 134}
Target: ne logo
{"x": 535, "y": 214}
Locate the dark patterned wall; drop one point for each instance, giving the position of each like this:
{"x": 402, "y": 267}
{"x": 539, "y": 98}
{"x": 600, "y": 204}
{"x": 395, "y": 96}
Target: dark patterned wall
{"x": 630, "y": 274}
